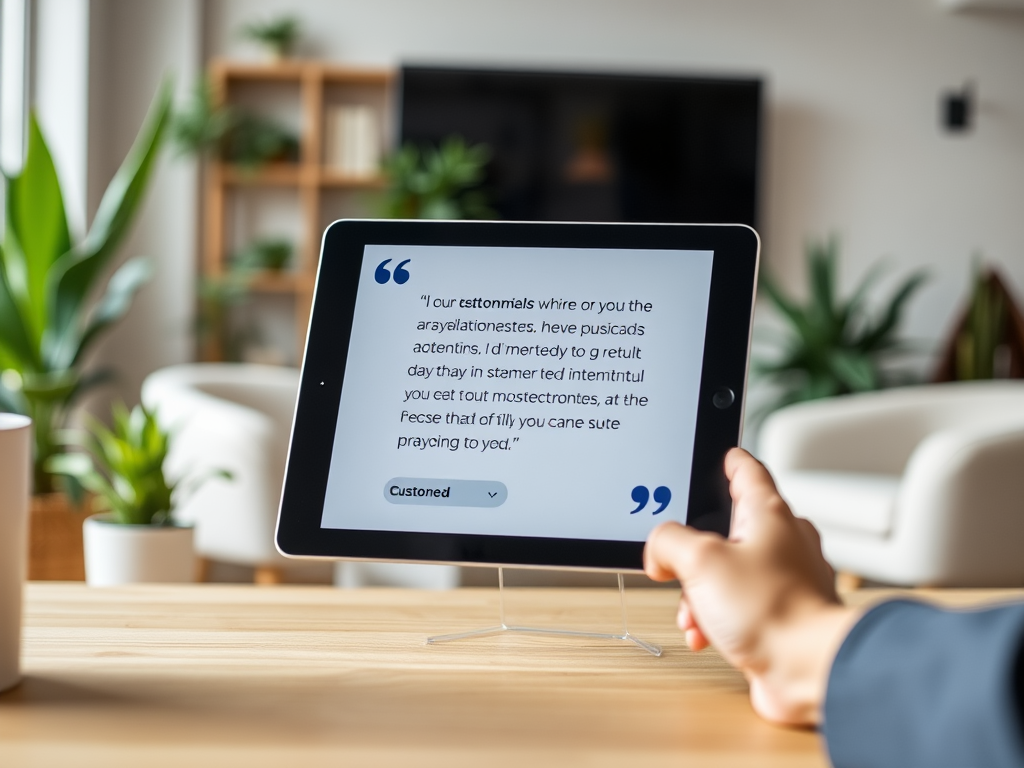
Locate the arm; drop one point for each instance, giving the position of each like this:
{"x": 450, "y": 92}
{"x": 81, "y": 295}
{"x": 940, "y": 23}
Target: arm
{"x": 766, "y": 600}
{"x": 914, "y": 684}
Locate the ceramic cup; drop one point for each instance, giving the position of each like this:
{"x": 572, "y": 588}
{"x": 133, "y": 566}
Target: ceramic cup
{"x": 15, "y": 494}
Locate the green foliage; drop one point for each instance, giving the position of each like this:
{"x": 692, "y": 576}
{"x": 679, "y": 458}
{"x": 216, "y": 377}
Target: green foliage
{"x": 277, "y": 35}
{"x": 253, "y": 141}
{"x": 267, "y": 253}
{"x": 833, "y": 346}
{"x": 437, "y": 183}
{"x": 983, "y": 330}
{"x": 238, "y": 137}
{"x": 124, "y": 467}
{"x": 200, "y": 125}
{"x": 50, "y": 315}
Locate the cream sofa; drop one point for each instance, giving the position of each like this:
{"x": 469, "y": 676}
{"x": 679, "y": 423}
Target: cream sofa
{"x": 911, "y": 486}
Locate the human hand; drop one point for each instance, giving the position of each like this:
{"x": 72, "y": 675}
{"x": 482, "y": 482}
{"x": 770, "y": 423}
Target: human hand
{"x": 765, "y": 599}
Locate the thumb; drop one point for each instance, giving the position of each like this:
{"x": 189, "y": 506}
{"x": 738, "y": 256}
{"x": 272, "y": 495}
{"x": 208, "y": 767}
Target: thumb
{"x": 675, "y": 551}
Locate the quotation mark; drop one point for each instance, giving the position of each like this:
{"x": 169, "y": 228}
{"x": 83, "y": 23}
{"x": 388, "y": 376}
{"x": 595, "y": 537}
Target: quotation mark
{"x": 400, "y": 275}
{"x": 641, "y": 496}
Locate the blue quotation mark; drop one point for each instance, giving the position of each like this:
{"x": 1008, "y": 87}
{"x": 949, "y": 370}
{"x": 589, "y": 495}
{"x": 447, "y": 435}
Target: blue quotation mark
{"x": 400, "y": 275}
{"x": 641, "y": 496}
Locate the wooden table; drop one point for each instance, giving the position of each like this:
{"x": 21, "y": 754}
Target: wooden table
{"x": 310, "y": 676}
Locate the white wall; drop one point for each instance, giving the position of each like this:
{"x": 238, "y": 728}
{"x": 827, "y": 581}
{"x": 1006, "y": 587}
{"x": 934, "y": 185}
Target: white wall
{"x": 133, "y": 46}
{"x": 854, "y": 144}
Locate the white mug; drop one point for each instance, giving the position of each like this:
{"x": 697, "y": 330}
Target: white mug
{"x": 15, "y": 491}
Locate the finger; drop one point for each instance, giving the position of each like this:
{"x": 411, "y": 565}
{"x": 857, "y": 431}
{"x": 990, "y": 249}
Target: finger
{"x": 696, "y": 640}
{"x": 678, "y": 551}
{"x": 752, "y": 489}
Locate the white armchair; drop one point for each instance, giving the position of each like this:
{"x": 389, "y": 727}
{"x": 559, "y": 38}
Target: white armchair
{"x": 912, "y": 486}
{"x": 238, "y": 417}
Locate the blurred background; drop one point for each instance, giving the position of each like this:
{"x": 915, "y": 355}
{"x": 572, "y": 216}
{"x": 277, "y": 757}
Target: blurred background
{"x": 850, "y": 133}
{"x": 852, "y": 140}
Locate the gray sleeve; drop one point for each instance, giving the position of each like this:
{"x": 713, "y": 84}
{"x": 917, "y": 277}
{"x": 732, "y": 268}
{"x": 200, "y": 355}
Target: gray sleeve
{"x": 917, "y": 685}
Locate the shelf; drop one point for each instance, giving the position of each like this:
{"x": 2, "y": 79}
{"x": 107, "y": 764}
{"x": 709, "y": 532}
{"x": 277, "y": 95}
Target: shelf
{"x": 289, "y": 69}
{"x": 296, "y": 69}
{"x": 238, "y": 199}
{"x": 279, "y": 282}
{"x": 293, "y": 175}
{"x": 272, "y": 175}
{"x": 332, "y": 178}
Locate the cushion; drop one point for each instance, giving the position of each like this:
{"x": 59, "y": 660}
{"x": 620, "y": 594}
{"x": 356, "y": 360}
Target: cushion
{"x": 853, "y": 501}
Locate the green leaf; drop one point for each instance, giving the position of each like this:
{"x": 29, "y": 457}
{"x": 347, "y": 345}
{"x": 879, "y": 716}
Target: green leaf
{"x": 73, "y": 277}
{"x": 116, "y": 302}
{"x": 822, "y": 258}
{"x": 16, "y": 345}
{"x": 36, "y": 231}
{"x": 853, "y": 370}
{"x": 878, "y": 336}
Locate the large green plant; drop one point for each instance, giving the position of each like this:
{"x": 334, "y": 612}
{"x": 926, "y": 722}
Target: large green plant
{"x": 832, "y": 346}
{"x": 439, "y": 183}
{"x": 50, "y": 315}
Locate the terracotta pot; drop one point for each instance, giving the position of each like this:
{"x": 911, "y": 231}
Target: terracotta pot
{"x": 132, "y": 554}
{"x": 55, "y": 539}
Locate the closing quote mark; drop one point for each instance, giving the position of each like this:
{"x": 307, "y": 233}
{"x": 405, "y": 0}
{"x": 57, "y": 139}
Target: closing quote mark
{"x": 640, "y": 495}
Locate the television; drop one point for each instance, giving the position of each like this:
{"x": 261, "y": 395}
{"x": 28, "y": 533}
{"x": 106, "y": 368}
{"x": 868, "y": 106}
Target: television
{"x": 571, "y": 146}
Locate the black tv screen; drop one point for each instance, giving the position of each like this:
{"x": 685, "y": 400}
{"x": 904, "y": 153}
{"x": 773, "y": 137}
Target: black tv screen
{"x": 598, "y": 147}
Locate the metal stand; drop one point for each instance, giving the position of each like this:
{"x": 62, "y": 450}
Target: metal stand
{"x": 503, "y": 627}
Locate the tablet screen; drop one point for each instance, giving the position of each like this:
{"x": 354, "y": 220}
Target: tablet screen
{"x": 520, "y": 391}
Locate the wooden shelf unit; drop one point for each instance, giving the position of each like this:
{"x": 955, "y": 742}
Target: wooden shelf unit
{"x": 317, "y": 83}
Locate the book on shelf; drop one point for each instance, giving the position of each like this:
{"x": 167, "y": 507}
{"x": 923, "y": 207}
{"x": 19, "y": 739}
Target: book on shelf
{"x": 352, "y": 140}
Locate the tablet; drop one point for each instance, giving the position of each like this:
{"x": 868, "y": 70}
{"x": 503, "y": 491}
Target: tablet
{"x": 520, "y": 394}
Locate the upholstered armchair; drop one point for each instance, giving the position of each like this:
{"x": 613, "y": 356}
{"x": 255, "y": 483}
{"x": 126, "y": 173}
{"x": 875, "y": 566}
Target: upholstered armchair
{"x": 912, "y": 486}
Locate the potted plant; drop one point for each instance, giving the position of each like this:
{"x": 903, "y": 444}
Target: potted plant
{"x": 202, "y": 126}
{"x": 134, "y": 537}
{"x": 437, "y": 183}
{"x": 277, "y": 36}
{"x": 832, "y": 346}
{"x": 56, "y": 300}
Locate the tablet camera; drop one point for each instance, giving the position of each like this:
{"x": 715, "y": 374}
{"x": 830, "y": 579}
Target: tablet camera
{"x": 723, "y": 398}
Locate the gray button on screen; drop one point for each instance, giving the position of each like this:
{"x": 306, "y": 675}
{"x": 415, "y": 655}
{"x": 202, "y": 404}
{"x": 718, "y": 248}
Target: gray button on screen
{"x": 445, "y": 493}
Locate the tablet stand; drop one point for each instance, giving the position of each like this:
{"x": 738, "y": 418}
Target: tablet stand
{"x": 504, "y": 627}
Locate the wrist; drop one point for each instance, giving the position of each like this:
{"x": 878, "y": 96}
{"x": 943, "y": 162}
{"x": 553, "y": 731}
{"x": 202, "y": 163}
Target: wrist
{"x": 800, "y": 652}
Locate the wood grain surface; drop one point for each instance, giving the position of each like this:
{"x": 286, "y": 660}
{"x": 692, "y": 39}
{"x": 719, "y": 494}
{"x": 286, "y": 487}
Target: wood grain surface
{"x": 314, "y": 676}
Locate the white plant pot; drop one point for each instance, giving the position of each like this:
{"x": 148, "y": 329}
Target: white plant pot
{"x": 132, "y": 554}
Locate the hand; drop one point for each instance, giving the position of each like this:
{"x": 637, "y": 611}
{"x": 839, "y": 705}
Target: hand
{"x": 765, "y": 599}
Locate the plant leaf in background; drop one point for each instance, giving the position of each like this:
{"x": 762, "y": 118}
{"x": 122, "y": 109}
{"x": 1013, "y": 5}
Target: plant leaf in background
{"x": 236, "y": 136}
{"x": 201, "y": 124}
{"x": 984, "y": 328}
{"x": 277, "y": 35}
{"x": 439, "y": 183}
{"x": 47, "y": 317}
{"x": 832, "y": 346}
